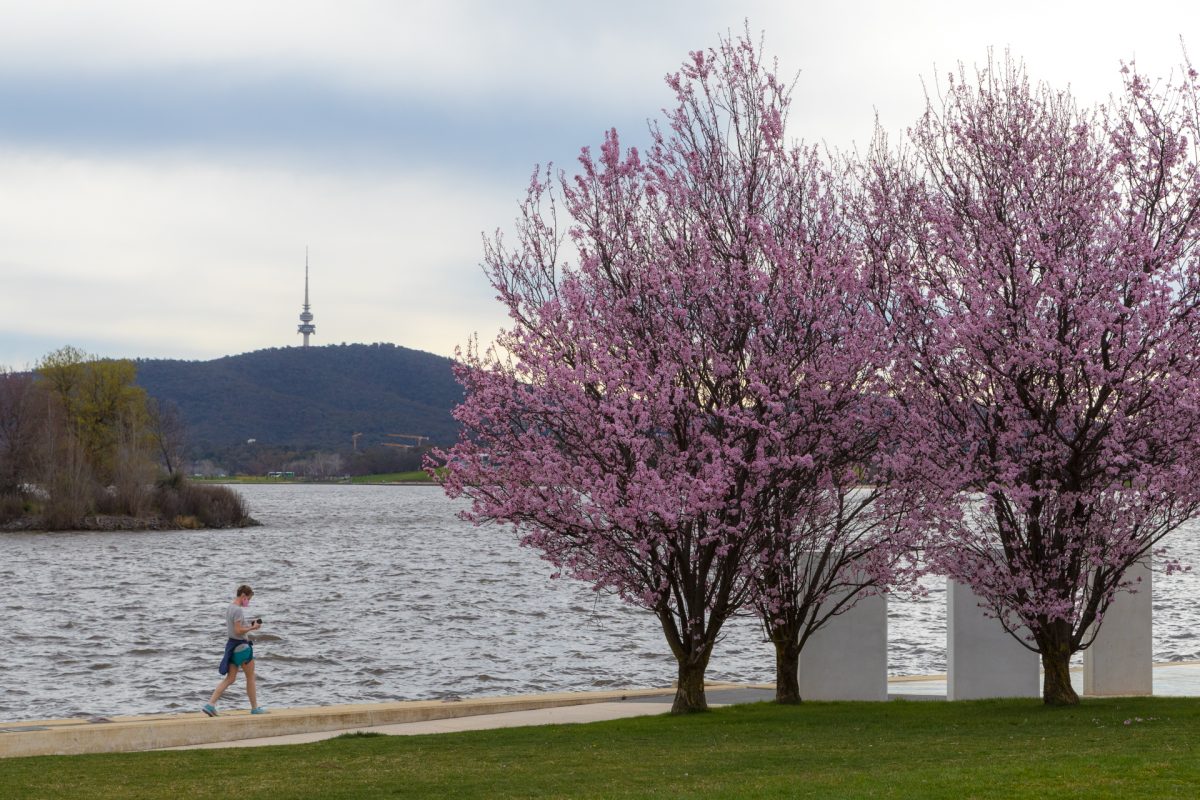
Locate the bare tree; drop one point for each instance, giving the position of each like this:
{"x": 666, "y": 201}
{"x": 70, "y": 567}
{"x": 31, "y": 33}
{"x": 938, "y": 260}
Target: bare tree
{"x": 20, "y": 417}
{"x": 168, "y": 433}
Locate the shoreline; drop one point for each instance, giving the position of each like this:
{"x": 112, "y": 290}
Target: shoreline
{"x": 103, "y": 523}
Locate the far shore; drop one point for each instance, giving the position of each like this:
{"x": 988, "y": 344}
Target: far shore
{"x": 415, "y": 478}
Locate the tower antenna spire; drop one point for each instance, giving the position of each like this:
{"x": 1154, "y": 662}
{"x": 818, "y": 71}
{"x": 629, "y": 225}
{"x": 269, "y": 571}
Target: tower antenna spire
{"x": 306, "y": 327}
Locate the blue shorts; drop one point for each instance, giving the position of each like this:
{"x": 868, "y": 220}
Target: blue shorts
{"x": 244, "y": 652}
{"x": 241, "y": 654}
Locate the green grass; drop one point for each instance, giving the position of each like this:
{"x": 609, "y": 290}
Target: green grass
{"x": 247, "y": 479}
{"x": 990, "y": 749}
{"x": 392, "y": 477}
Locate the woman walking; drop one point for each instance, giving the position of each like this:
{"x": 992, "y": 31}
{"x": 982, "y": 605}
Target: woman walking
{"x": 239, "y": 653}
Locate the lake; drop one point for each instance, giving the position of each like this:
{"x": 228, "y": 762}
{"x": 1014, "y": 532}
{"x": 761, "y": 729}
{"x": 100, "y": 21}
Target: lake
{"x": 371, "y": 594}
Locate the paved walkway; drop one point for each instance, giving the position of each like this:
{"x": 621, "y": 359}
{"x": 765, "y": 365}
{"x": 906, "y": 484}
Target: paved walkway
{"x": 633, "y": 706}
{"x": 559, "y": 715}
{"x": 298, "y": 725}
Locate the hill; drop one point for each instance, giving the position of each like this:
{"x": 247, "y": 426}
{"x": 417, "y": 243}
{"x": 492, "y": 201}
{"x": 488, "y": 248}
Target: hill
{"x": 306, "y": 398}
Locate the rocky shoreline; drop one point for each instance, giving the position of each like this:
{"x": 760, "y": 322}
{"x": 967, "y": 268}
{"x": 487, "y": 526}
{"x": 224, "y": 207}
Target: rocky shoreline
{"x": 115, "y": 522}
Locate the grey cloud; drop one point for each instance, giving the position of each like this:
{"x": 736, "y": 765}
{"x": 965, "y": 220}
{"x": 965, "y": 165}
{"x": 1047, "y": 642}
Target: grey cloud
{"x": 293, "y": 119}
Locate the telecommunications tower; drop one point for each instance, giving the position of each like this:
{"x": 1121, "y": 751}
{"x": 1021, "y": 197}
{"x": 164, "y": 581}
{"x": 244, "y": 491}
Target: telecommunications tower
{"x": 306, "y": 318}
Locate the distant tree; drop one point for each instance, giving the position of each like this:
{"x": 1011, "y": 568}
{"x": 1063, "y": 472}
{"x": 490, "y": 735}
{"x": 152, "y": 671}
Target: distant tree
{"x": 22, "y": 415}
{"x": 79, "y": 438}
{"x": 62, "y": 373}
{"x": 205, "y": 468}
{"x": 169, "y": 434}
{"x": 101, "y": 404}
{"x": 94, "y": 452}
{"x": 319, "y": 466}
{"x": 62, "y": 471}
{"x": 1040, "y": 264}
{"x": 378, "y": 460}
{"x": 258, "y": 459}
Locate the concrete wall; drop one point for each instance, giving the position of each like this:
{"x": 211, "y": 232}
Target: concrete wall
{"x": 983, "y": 660}
{"x": 847, "y": 658}
{"x": 1120, "y": 661}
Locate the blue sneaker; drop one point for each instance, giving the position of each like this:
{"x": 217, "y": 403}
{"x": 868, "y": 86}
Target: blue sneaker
{"x": 208, "y": 708}
{"x": 258, "y": 710}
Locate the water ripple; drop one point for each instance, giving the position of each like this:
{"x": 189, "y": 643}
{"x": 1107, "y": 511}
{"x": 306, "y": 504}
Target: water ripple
{"x": 370, "y": 594}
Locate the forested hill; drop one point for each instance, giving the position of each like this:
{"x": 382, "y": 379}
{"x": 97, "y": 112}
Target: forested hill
{"x": 312, "y": 397}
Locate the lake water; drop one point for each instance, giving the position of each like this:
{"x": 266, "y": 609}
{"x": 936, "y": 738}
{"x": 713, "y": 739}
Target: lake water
{"x": 370, "y": 594}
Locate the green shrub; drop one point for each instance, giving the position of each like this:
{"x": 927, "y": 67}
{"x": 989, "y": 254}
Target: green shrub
{"x": 173, "y": 481}
{"x": 212, "y": 506}
{"x": 12, "y": 506}
{"x": 105, "y": 502}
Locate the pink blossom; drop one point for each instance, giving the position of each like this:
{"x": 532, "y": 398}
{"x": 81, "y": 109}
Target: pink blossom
{"x": 1038, "y": 262}
{"x": 624, "y": 420}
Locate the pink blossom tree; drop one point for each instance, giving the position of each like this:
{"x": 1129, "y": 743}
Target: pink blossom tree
{"x": 1039, "y": 263}
{"x": 642, "y": 422}
{"x": 832, "y": 514}
{"x": 828, "y": 540}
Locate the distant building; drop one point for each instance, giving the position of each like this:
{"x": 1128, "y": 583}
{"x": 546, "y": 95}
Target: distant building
{"x": 306, "y": 318}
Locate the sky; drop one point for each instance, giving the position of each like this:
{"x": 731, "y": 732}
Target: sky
{"x": 165, "y": 165}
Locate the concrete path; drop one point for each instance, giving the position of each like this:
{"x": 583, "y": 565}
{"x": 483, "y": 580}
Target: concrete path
{"x": 645, "y": 703}
{"x": 158, "y": 731}
{"x": 297, "y": 725}
{"x": 593, "y": 712}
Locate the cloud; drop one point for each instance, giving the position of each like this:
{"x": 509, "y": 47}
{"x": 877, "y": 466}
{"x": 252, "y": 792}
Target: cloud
{"x": 199, "y": 260}
{"x": 162, "y": 165}
{"x": 470, "y": 49}
{"x": 285, "y": 121}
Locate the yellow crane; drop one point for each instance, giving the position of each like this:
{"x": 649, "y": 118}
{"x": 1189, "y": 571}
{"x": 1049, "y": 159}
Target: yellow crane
{"x": 417, "y": 440}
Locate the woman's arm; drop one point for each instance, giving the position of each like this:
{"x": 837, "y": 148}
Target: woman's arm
{"x": 242, "y": 630}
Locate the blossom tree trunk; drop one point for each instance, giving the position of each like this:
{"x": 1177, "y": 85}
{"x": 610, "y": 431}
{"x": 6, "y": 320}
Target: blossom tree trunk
{"x": 1054, "y": 644}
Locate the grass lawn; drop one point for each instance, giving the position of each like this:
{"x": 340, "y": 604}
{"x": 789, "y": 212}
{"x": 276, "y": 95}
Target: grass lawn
{"x": 988, "y": 749}
{"x": 246, "y": 479}
{"x": 392, "y": 477}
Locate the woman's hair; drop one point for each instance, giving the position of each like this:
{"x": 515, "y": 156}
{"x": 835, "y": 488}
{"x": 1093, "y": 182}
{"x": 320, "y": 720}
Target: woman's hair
{"x": 245, "y": 591}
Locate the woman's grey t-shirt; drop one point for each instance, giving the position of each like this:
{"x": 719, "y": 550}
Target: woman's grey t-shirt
{"x": 235, "y": 613}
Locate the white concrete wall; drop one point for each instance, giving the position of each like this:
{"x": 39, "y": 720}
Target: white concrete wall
{"x": 1121, "y": 660}
{"x": 846, "y": 659}
{"x": 983, "y": 660}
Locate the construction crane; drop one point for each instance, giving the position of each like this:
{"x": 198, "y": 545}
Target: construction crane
{"x": 418, "y": 440}
{"x": 354, "y": 440}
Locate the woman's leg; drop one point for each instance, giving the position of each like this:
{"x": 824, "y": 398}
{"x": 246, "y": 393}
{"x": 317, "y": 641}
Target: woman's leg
{"x": 223, "y": 685}
{"x": 251, "y": 689}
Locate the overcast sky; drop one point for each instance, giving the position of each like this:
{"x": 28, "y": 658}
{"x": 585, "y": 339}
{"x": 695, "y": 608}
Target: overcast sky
{"x": 163, "y": 165}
